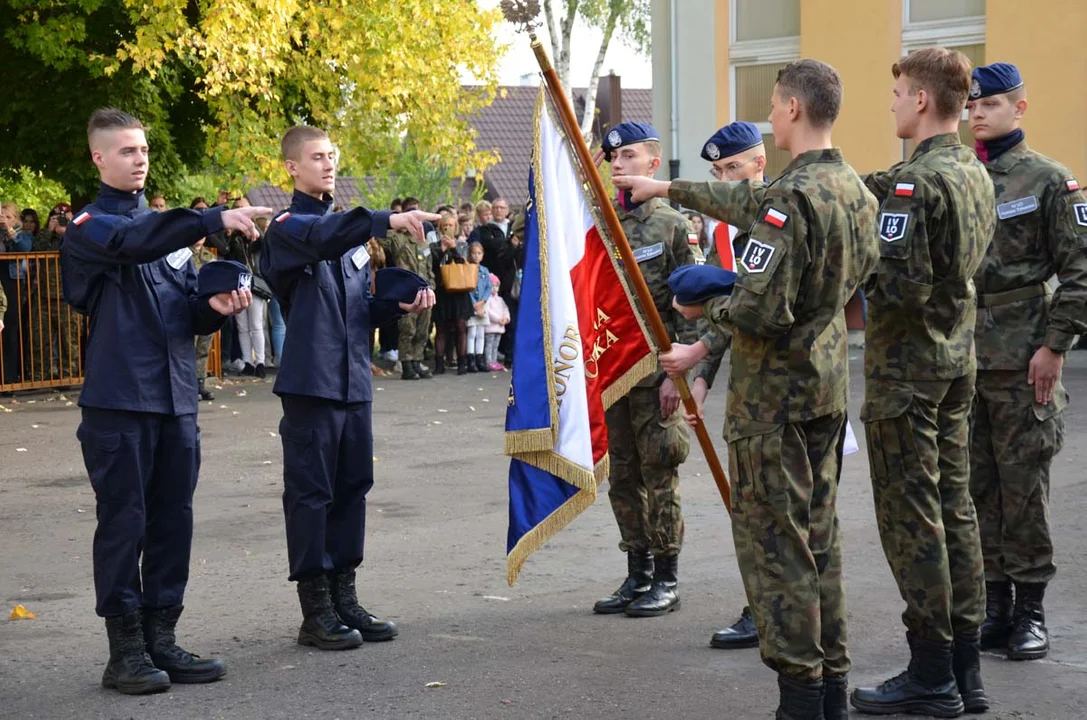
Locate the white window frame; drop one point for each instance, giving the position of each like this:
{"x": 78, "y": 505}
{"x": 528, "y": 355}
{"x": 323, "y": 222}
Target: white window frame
{"x": 953, "y": 32}
{"x": 768, "y": 51}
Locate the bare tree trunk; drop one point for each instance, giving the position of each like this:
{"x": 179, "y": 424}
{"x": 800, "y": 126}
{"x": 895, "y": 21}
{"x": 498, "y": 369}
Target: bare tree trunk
{"x": 563, "y": 67}
{"x": 556, "y": 39}
{"x": 594, "y": 79}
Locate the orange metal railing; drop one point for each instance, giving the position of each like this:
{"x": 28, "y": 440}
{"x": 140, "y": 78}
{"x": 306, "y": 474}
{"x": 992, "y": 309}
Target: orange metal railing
{"x": 43, "y": 340}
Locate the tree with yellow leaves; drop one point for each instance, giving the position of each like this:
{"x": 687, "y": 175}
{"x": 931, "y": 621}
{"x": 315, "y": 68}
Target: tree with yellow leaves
{"x": 224, "y": 79}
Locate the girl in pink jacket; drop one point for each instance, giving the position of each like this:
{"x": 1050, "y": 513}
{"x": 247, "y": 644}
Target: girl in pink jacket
{"x": 498, "y": 316}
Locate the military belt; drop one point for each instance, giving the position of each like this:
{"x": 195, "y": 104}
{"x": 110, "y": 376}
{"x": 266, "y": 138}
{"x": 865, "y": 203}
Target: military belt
{"x": 1010, "y": 296}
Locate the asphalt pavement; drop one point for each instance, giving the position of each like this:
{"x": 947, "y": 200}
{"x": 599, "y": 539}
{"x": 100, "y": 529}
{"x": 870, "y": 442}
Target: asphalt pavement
{"x": 470, "y": 646}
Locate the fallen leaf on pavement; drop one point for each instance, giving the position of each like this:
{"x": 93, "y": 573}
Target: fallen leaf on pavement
{"x": 435, "y": 684}
{"x": 21, "y": 613}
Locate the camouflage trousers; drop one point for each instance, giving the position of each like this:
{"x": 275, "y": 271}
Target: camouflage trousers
{"x": 57, "y": 355}
{"x": 918, "y": 435}
{"x": 1012, "y": 444}
{"x": 788, "y": 545}
{"x": 414, "y": 331}
{"x": 203, "y": 349}
{"x": 643, "y": 484}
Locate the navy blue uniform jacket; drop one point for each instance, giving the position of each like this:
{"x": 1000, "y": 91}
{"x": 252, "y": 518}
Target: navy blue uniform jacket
{"x": 130, "y": 270}
{"x": 316, "y": 263}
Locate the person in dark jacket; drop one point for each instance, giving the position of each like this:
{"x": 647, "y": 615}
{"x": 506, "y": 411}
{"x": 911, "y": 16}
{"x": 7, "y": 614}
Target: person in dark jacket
{"x": 317, "y": 263}
{"x": 130, "y": 270}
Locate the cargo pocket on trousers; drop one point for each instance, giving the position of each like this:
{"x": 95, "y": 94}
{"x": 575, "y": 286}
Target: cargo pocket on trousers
{"x": 756, "y": 447}
{"x": 101, "y": 455}
{"x": 1050, "y": 429}
{"x": 670, "y": 444}
{"x": 298, "y": 453}
{"x": 886, "y": 429}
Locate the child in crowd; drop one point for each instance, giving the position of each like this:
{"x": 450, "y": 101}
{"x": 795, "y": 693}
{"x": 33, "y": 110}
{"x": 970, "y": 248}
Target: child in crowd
{"x": 498, "y": 317}
{"x": 478, "y": 321}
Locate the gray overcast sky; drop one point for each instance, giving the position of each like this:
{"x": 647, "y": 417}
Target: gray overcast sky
{"x": 635, "y": 69}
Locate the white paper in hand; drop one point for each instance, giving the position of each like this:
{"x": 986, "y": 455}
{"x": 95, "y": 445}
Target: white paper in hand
{"x": 850, "y": 446}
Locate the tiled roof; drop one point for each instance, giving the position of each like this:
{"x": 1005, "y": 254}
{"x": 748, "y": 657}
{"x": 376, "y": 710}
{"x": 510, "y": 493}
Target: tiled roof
{"x": 506, "y": 126}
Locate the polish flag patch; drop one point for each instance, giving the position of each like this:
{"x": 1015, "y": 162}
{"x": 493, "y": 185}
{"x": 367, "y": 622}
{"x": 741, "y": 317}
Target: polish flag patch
{"x": 283, "y": 217}
{"x": 1072, "y": 185}
{"x": 904, "y": 190}
{"x": 776, "y": 218}
{"x": 81, "y": 218}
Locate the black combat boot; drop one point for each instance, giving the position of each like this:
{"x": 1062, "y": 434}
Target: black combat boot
{"x": 202, "y": 390}
{"x": 663, "y": 596}
{"x": 800, "y": 699}
{"x": 639, "y": 579}
{"x": 408, "y": 370}
{"x": 927, "y": 687}
{"x": 741, "y": 634}
{"x": 439, "y": 366}
{"x": 183, "y": 667}
{"x": 462, "y": 365}
{"x": 997, "y": 625}
{"x": 345, "y": 601}
{"x": 966, "y": 664}
{"x": 836, "y": 697}
{"x": 130, "y": 670}
{"x": 1029, "y": 639}
{"x": 471, "y": 360}
{"x": 481, "y": 365}
{"x": 320, "y": 626}
{"x": 421, "y": 371}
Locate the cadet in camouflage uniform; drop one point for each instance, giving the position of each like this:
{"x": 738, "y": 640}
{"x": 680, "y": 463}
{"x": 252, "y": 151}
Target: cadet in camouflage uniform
{"x": 403, "y": 252}
{"x": 60, "y": 357}
{"x": 1021, "y": 336}
{"x": 811, "y": 243}
{"x": 736, "y": 152}
{"x": 647, "y": 439}
{"x": 936, "y": 220}
{"x": 201, "y": 255}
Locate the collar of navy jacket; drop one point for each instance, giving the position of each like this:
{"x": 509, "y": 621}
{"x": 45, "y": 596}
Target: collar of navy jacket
{"x": 117, "y": 202}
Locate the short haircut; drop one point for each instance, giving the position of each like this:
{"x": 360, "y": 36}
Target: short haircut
{"x": 296, "y": 137}
{"x": 942, "y": 73}
{"x": 158, "y": 195}
{"x": 1019, "y": 93}
{"x": 104, "y": 119}
{"x": 198, "y": 200}
{"x": 818, "y": 88}
{"x": 654, "y": 147}
{"x": 410, "y": 202}
{"x": 498, "y": 200}
{"x": 482, "y": 205}
{"x": 395, "y": 204}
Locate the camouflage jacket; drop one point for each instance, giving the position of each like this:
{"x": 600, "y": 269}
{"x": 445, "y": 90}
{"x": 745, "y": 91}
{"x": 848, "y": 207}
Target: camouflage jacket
{"x": 1041, "y": 230}
{"x": 936, "y": 219}
{"x": 402, "y": 251}
{"x": 658, "y": 237}
{"x": 716, "y": 340}
{"x": 47, "y": 270}
{"x": 811, "y": 243}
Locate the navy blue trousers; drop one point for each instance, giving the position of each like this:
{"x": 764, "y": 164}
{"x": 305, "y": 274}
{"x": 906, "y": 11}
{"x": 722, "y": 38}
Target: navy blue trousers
{"x": 328, "y": 467}
{"x": 143, "y": 468}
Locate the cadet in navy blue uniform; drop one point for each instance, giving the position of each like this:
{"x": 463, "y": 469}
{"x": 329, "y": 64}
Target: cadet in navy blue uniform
{"x": 317, "y": 264}
{"x": 129, "y": 269}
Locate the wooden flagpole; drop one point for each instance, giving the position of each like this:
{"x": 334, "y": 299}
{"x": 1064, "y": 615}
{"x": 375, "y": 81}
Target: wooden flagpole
{"x": 615, "y": 229}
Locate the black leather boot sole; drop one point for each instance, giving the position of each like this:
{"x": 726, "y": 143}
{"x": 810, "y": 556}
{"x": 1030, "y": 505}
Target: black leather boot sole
{"x": 932, "y": 707}
{"x": 740, "y": 635}
{"x": 203, "y": 671}
{"x": 146, "y": 685}
{"x": 1027, "y": 654}
{"x": 386, "y": 633}
{"x": 612, "y": 606}
{"x": 632, "y": 611}
{"x": 321, "y": 641}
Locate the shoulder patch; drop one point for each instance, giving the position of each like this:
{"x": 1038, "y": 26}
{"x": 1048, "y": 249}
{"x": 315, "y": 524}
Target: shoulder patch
{"x": 756, "y": 256}
{"x": 904, "y": 189}
{"x": 283, "y": 216}
{"x": 81, "y": 218}
{"x": 1071, "y": 184}
{"x": 1081, "y": 214}
{"x": 892, "y": 226}
{"x": 776, "y": 218}
{"x": 648, "y": 252}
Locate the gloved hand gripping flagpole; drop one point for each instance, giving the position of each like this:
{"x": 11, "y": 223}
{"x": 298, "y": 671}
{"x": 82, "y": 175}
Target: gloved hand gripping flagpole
{"x": 664, "y": 343}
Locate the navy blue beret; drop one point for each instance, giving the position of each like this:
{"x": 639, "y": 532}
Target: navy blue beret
{"x": 222, "y": 276}
{"x": 628, "y": 133}
{"x": 695, "y": 284}
{"x": 398, "y": 284}
{"x": 731, "y": 139}
{"x": 994, "y": 79}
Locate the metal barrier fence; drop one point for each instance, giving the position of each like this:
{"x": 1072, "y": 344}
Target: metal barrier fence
{"x": 43, "y": 341}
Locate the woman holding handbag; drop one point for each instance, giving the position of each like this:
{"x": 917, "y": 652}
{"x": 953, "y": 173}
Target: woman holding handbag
{"x": 453, "y": 306}
{"x": 251, "y": 320}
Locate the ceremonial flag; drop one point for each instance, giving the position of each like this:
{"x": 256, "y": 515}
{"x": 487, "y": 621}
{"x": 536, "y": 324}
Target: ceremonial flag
{"x": 580, "y": 346}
